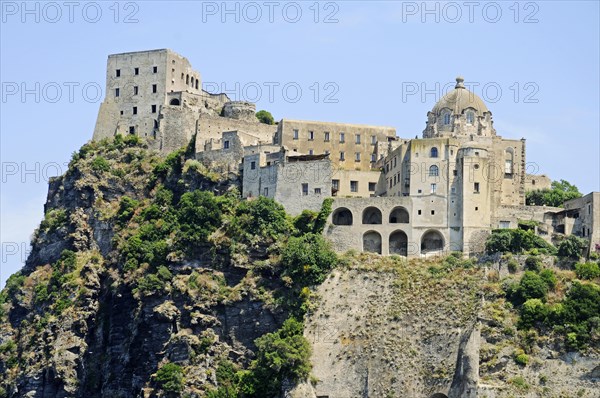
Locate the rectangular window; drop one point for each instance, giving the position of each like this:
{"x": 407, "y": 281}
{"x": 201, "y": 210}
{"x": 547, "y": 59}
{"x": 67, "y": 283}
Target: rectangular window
{"x": 154, "y": 88}
{"x": 357, "y": 157}
{"x": 118, "y": 73}
{"x": 373, "y": 140}
{"x": 353, "y": 186}
{"x": 327, "y": 136}
{"x": 508, "y": 166}
{"x": 252, "y": 165}
{"x": 311, "y": 135}
{"x": 476, "y": 187}
{"x": 419, "y": 212}
{"x": 433, "y": 212}
{"x": 335, "y": 184}
{"x": 358, "y": 138}
{"x": 504, "y": 224}
{"x": 433, "y": 188}
{"x": 310, "y": 151}
{"x": 395, "y": 162}
{"x": 373, "y": 158}
{"x": 136, "y": 71}
{"x": 131, "y": 129}
{"x": 454, "y": 172}
{"x": 135, "y": 90}
{"x": 295, "y": 134}
{"x": 391, "y": 182}
{"x": 372, "y": 186}
{"x": 304, "y": 189}
{"x": 266, "y": 192}
{"x": 117, "y": 92}
{"x": 453, "y": 190}
{"x": 225, "y": 144}
{"x": 135, "y": 110}
{"x": 342, "y": 156}
{"x": 342, "y": 138}
{"x": 317, "y": 191}
{"x": 153, "y": 108}
{"x": 155, "y": 69}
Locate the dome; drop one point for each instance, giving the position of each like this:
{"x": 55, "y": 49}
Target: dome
{"x": 460, "y": 99}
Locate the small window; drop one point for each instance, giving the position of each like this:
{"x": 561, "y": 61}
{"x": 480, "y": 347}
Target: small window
{"x": 326, "y": 152}
{"x": 433, "y": 188}
{"x": 295, "y": 134}
{"x": 395, "y": 162}
{"x": 326, "y": 136}
{"x": 131, "y": 129}
{"x": 342, "y": 156}
{"x": 266, "y": 192}
{"x": 373, "y": 140}
{"x": 433, "y": 212}
{"x": 454, "y": 172}
{"x": 353, "y": 186}
{"x": 225, "y": 144}
{"x": 311, "y": 135}
{"x": 419, "y": 191}
{"x": 317, "y": 191}
{"x": 446, "y": 118}
{"x": 304, "y": 189}
{"x": 117, "y": 92}
{"x": 372, "y": 186}
{"x": 434, "y": 152}
{"x": 470, "y": 117}
{"x": 118, "y": 73}
{"x": 136, "y": 71}
{"x": 373, "y": 158}
{"x": 358, "y": 138}
{"x": 154, "y": 88}
{"x": 532, "y": 182}
{"x": 121, "y": 112}
{"x": 135, "y": 90}
{"x": 419, "y": 212}
{"x": 155, "y": 69}
{"x": 504, "y": 224}
{"x": 476, "y": 187}
{"x": 434, "y": 171}
{"x": 476, "y": 208}
{"x": 310, "y": 152}
{"x": 357, "y": 157}
{"x": 252, "y": 165}
{"x": 453, "y": 190}
{"x": 335, "y": 184}
{"x": 476, "y": 153}
{"x": 342, "y": 137}
{"x": 153, "y": 108}
{"x": 135, "y": 110}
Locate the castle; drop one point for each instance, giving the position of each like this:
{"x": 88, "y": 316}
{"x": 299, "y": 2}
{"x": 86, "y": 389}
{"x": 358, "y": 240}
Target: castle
{"x": 411, "y": 197}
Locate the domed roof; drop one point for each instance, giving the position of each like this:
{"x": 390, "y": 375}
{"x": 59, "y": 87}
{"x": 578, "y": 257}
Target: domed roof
{"x": 460, "y": 99}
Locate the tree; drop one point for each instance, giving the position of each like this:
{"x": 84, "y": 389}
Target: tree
{"x": 560, "y": 192}
{"x": 308, "y": 258}
{"x": 170, "y": 378}
{"x": 265, "y": 117}
{"x": 199, "y": 215}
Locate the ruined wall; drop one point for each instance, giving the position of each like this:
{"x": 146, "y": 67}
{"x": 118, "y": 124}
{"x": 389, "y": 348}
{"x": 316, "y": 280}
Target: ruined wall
{"x": 211, "y": 127}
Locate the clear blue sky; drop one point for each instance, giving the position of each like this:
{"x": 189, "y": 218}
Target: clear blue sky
{"x": 538, "y": 62}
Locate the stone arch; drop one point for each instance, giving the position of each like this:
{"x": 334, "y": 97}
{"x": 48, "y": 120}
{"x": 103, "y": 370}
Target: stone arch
{"x": 399, "y": 215}
{"x": 372, "y": 242}
{"x": 399, "y": 243}
{"x": 432, "y": 241}
{"x": 174, "y": 101}
{"x": 342, "y": 216}
{"x": 372, "y": 215}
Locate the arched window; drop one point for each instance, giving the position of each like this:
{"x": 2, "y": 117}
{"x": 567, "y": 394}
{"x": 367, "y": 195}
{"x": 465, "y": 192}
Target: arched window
{"x": 372, "y": 215}
{"x": 192, "y": 81}
{"x": 399, "y": 215}
{"x": 174, "y": 101}
{"x": 434, "y": 152}
{"x": 470, "y": 117}
{"x": 398, "y": 243}
{"x": 187, "y": 79}
{"x": 434, "y": 171}
{"x": 342, "y": 216}
{"x": 372, "y": 242}
{"x": 196, "y": 84}
{"x": 446, "y": 118}
{"x": 508, "y": 162}
{"x": 432, "y": 241}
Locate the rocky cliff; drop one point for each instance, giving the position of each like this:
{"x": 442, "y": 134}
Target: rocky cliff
{"x": 149, "y": 277}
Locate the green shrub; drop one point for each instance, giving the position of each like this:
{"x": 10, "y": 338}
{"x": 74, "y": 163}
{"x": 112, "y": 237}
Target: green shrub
{"x": 587, "y": 270}
{"x": 281, "y": 355}
{"x": 533, "y": 263}
{"x": 307, "y": 259}
{"x": 560, "y": 192}
{"x": 322, "y": 216}
{"x": 305, "y": 221}
{"x": 53, "y": 220}
{"x": 571, "y": 247}
{"x": 261, "y": 217}
{"x": 170, "y": 378}
{"x": 127, "y": 208}
{"x": 513, "y": 265}
{"x": 151, "y": 284}
{"x": 531, "y": 286}
{"x": 516, "y": 241}
{"x": 521, "y": 358}
{"x": 199, "y": 215}
{"x": 549, "y": 277}
{"x": 533, "y": 311}
{"x": 100, "y": 164}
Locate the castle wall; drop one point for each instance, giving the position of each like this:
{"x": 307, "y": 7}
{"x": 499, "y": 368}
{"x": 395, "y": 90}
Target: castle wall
{"x": 177, "y": 126}
{"x": 211, "y": 127}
